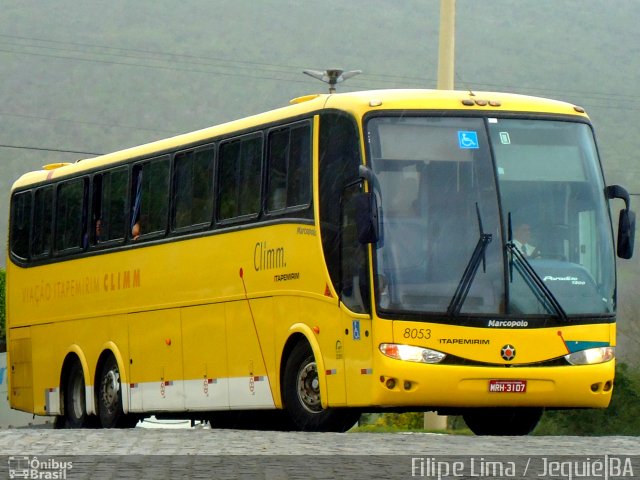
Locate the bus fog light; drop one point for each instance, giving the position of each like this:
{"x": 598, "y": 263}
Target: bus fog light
{"x": 591, "y": 356}
{"x": 411, "y": 353}
{"x": 391, "y": 383}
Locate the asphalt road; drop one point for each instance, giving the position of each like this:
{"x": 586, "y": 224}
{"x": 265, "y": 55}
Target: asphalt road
{"x": 206, "y": 453}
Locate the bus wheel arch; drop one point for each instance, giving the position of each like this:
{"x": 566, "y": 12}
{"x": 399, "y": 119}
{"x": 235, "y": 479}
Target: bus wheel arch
{"x": 302, "y": 334}
{"x": 73, "y": 407}
{"x": 109, "y": 393}
{"x": 301, "y": 391}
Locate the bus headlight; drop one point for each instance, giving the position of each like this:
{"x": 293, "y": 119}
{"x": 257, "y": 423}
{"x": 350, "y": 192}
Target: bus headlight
{"x": 591, "y": 356}
{"x": 410, "y": 353}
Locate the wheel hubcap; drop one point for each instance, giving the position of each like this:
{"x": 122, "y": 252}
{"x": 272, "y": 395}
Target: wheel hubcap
{"x": 111, "y": 389}
{"x": 309, "y": 387}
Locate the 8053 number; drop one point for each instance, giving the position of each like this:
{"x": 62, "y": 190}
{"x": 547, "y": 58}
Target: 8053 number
{"x": 417, "y": 333}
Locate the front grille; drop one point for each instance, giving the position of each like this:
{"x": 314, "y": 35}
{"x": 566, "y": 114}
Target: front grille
{"x": 454, "y": 360}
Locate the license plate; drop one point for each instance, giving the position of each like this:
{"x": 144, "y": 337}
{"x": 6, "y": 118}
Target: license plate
{"x": 507, "y": 386}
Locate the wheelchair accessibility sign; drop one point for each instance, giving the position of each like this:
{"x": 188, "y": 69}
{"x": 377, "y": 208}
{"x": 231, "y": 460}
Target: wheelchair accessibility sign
{"x": 467, "y": 139}
{"x": 356, "y": 329}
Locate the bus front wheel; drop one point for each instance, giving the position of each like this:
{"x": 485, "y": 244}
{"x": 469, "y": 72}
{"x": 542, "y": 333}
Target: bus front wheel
{"x": 502, "y": 421}
{"x": 301, "y": 396}
{"x": 75, "y": 410}
{"x": 110, "y": 398}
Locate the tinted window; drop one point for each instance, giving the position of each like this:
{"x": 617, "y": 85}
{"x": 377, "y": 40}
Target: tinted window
{"x": 150, "y": 197}
{"x": 339, "y": 161}
{"x": 289, "y": 173}
{"x": 551, "y": 188}
{"x": 109, "y": 205}
{"x": 437, "y": 193}
{"x": 70, "y": 214}
{"x": 193, "y": 188}
{"x": 239, "y": 178}
{"x": 42, "y": 221}
{"x": 20, "y": 222}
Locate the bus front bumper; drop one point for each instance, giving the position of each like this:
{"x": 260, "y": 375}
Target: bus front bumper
{"x": 403, "y": 384}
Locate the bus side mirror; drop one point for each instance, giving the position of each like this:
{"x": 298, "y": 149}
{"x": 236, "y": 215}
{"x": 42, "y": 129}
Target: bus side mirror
{"x": 367, "y": 221}
{"x": 626, "y": 222}
{"x": 626, "y": 233}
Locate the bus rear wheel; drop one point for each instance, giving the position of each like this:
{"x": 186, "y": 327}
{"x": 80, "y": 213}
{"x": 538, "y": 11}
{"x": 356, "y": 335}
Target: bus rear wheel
{"x": 502, "y": 421}
{"x": 301, "y": 396}
{"x": 75, "y": 409}
{"x": 110, "y": 398}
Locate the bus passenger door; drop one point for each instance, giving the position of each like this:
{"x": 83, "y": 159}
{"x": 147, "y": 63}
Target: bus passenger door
{"x": 355, "y": 296}
{"x": 357, "y": 358}
{"x": 155, "y": 349}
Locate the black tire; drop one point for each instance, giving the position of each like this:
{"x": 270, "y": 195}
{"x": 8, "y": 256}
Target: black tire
{"x": 110, "y": 398}
{"x": 75, "y": 409}
{"x": 59, "y": 422}
{"x": 502, "y": 421}
{"x": 301, "y": 396}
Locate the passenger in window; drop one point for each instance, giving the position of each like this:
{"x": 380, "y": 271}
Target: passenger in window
{"x": 97, "y": 235}
{"x": 135, "y": 231}
{"x": 98, "y": 231}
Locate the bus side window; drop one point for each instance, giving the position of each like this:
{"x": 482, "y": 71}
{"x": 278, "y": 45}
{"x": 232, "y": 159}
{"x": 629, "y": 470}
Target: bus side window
{"x": 299, "y": 182}
{"x": 193, "y": 188}
{"x": 239, "y": 178}
{"x": 109, "y": 206}
{"x": 20, "y": 224}
{"x": 95, "y": 224}
{"x": 150, "y": 198}
{"x": 42, "y": 222}
{"x": 289, "y": 174}
{"x": 278, "y": 163}
{"x": 70, "y": 215}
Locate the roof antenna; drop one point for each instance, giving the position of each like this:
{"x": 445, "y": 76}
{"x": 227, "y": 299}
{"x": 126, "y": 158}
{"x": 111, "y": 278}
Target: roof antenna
{"x": 458, "y": 79}
{"x": 332, "y": 76}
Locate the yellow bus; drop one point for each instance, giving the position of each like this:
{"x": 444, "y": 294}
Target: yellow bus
{"x": 393, "y": 250}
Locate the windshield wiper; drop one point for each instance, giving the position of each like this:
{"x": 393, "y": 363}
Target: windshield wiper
{"x": 532, "y": 279}
{"x": 469, "y": 274}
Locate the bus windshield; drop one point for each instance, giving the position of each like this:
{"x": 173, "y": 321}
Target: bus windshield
{"x": 552, "y": 192}
{"x": 442, "y": 216}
